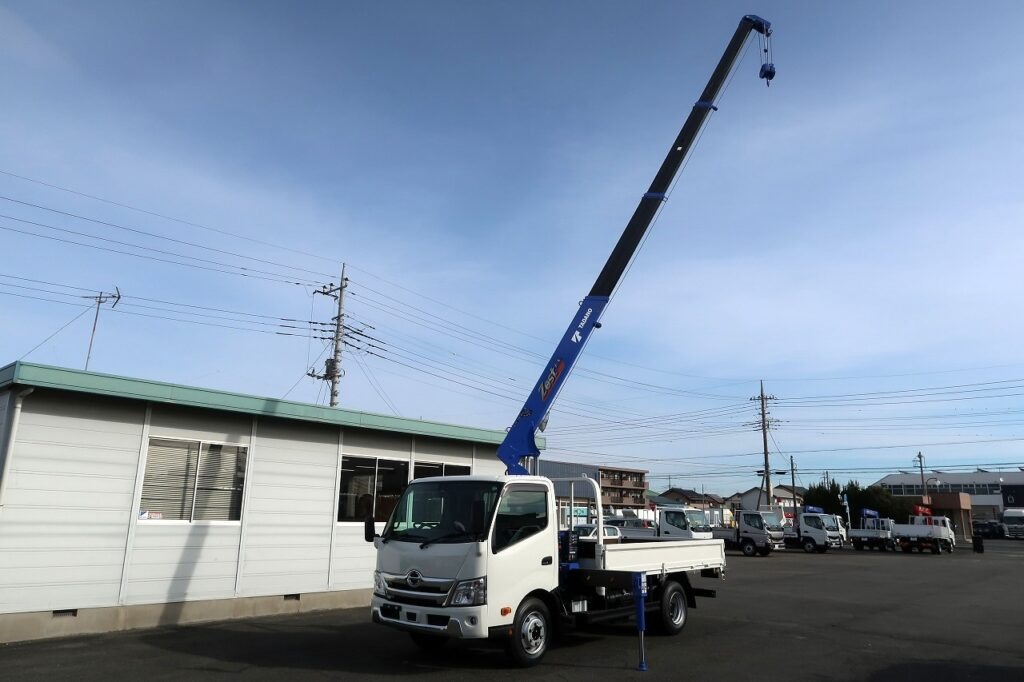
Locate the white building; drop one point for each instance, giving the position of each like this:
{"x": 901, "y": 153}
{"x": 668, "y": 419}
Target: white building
{"x": 127, "y": 503}
{"x": 984, "y": 487}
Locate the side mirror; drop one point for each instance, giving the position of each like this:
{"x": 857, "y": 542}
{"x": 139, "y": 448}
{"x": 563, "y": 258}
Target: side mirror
{"x": 369, "y": 532}
{"x": 477, "y": 523}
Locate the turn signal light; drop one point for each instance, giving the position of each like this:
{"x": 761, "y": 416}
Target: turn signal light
{"x": 505, "y": 610}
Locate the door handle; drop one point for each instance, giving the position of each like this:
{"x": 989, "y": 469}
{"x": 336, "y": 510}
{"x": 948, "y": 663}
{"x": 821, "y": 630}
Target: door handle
{"x": 546, "y": 561}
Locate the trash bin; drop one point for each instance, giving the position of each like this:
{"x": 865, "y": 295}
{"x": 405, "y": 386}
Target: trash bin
{"x": 979, "y": 544}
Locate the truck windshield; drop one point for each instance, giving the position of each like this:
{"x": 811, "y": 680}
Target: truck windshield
{"x": 677, "y": 519}
{"x": 440, "y": 511}
{"x": 1013, "y": 520}
{"x": 698, "y": 520}
{"x": 772, "y": 520}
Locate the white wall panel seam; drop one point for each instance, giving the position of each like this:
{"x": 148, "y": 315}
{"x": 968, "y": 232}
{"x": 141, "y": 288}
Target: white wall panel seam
{"x": 244, "y": 513}
{"x": 133, "y": 514}
{"x": 334, "y": 512}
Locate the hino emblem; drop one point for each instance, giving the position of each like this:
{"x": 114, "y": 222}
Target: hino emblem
{"x": 414, "y": 579}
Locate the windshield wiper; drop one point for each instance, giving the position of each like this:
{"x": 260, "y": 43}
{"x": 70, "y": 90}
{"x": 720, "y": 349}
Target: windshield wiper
{"x": 460, "y": 531}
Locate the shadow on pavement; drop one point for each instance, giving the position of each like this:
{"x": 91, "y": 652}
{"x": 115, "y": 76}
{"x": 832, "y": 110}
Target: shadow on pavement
{"x": 946, "y": 671}
{"x": 353, "y": 647}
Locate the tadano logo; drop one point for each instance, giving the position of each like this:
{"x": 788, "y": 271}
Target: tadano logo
{"x": 576, "y": 335}
{"x": 551, "y": 379}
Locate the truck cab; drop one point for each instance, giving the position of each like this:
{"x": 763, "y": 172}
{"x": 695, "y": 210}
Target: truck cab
{"x": 755, "y": 533}
{"x": 1013, "y": 524}
{"x": 814, "y": 532}
{"x": 683, "y": 523}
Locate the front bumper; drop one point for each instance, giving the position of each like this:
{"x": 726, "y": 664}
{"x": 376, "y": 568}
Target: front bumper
{"x": 464, "y": 622}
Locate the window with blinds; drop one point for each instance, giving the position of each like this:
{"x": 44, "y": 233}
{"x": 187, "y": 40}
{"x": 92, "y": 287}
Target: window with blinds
{"x": 192, "y": 481}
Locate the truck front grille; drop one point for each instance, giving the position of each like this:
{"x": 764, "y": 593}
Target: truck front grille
{"x": 417, "y": 590}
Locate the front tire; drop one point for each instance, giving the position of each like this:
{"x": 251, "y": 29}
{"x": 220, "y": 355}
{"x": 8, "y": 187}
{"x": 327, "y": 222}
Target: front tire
{"x": 809, "y": 545}
{"x": 857, "y": 545}
{"x": 672, "y": 616}
{"x": 531, "y": 633}
{"x": 748, "y": 548}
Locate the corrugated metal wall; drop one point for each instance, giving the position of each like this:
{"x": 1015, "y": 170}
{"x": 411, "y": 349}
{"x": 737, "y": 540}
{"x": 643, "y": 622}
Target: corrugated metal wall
{"x": 68, "y": 502}
{"x": 70, "y": 536}
{"x": 290, "y": 509}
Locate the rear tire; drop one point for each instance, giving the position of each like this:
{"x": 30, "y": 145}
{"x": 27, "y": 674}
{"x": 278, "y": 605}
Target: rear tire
{"x": 673, "y": 613}
{"x": 531, "y": 633}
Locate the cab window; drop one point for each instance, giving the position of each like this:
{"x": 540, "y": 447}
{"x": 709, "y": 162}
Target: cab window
{"x": 521, "y": 513}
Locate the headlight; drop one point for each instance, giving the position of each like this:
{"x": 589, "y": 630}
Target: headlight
{"x": 380, "y": 588}
{"x": 470, "y": 593}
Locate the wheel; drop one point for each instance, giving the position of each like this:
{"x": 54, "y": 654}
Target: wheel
{"x": 672, "y": 616}
{"x": 936, "y": 548}
{"x": 857, "y": 545}
{"x": 428, "y": 642}
{"x": 907, "y": 549}
{"x": 809, "y": 545}
{"x": 531, "y": 633}
{"x": 822, "y": 549}
{"x": 748, "y": 548}
{"x": 764, "y": 551}
{"x": 950, "y": 547}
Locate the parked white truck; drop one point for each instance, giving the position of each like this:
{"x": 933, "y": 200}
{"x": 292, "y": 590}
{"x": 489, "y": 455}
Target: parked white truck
{"x": 874, "y": 532}
{"x": 813, "y": 532}
{"x": 672, "y": 522}
{"x": 477, "y": 557}
{"x": 755, "y": 533}
{"x": 1013, "y": 524}
{"x": 934, "y": 533}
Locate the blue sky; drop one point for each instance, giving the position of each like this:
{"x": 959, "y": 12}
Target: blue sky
{"x": 850, "y": 232}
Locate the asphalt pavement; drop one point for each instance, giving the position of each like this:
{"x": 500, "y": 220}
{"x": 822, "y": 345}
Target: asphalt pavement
{"x": 844, "y": 615}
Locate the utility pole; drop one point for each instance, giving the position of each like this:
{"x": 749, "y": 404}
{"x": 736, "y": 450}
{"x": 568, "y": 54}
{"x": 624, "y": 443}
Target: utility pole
{"x": 332, "y": 366}
{"x": 100, "y": 299}
{"x": 924, "y": 484}
{"x": 764, "y": 439}
{"x": 792, "y": 478}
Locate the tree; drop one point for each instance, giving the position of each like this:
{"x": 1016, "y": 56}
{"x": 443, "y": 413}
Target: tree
{"x": 830, "y": 498}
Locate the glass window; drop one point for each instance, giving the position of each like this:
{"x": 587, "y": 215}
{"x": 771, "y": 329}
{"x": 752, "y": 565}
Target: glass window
{"x": 370, "y": 487}
{"x": 192, "y": 481}
{"x": 813, "y": 522}
{"x": 427, "y": 469}
{"x": 521, "y": 513}
{"x": 754, "y": 521}
{"x": 358, "y": 483}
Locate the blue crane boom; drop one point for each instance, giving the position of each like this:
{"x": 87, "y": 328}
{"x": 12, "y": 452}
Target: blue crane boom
{"x": 520, "y": 443}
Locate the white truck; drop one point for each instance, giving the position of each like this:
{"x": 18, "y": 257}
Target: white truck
{"x": 755, "y": 533}
{"x": 482, "y": 556}
{"x": 934, "y": 533}
{"x": 813, "y": 532}
{"x": 671, "y": 522}
{"x": 1013, "y": 524}
{"x": 874, "y": 533}
{"x": 477, "y": 557}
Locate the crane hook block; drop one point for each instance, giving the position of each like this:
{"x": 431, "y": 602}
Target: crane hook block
{"x": 767, "y": 72}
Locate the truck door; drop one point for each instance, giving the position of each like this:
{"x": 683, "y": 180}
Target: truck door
{"x": 523, "y": 549}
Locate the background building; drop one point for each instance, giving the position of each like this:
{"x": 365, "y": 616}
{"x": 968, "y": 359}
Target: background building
{"x": 984, "y": 487}
{"x": 622, "y": 490}
{"x": 128, "y": 503}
